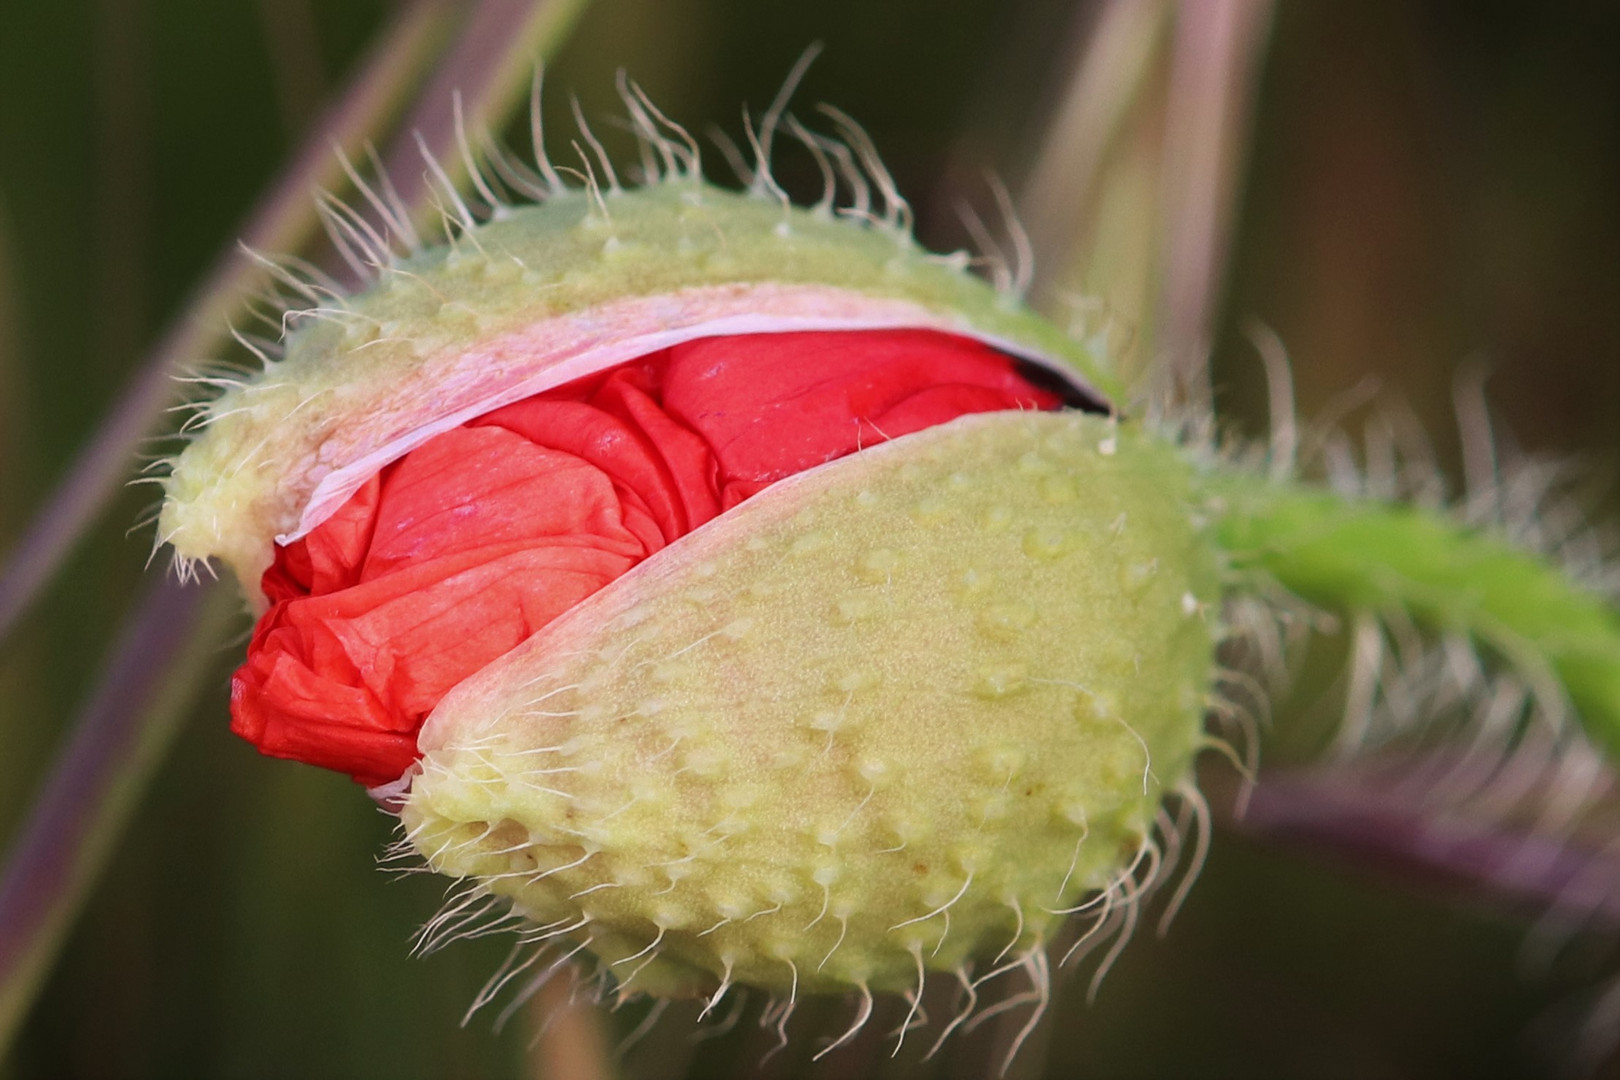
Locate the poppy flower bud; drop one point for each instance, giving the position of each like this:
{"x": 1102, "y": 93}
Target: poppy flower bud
{"x": 722, "y": 582}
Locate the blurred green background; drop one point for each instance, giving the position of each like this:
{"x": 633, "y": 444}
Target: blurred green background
{"x": 1429, "y": 184}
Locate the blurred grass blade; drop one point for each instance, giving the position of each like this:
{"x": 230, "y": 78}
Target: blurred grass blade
{"x": 156, "y": 665}
{"x": 1156, "y": 89}
{"x": 1132, "y": 200}
{"x": 126, "y": 726}
{"x": 1132, "y": 195}
{"x": 284, "y": 221}
{"x": 1214, "y": 73}
{"x": 489, "y": 67}
{"x": 15, "y": 410}
{"x": 1105, "y": 90}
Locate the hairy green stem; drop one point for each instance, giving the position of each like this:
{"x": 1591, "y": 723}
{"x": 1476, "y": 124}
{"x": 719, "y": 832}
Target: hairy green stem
{"x": 1364, "y": 555}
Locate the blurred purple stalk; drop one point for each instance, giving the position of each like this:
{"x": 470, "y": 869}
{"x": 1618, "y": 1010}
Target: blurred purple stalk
{"x": 117, "y": 743}
{"x": 284, "y": 221}
{"x": 1355, "y": 811}
{"x": 161, "y": 653}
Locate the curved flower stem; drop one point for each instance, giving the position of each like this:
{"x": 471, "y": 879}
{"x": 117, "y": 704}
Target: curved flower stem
{"x": 1363, "y": 555}
{"x": 284, "y": 221}
{"x": 159, "y": 658}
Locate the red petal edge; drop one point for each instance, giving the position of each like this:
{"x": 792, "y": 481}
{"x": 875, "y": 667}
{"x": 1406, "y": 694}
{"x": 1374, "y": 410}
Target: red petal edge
{"x": 461, "y": 549}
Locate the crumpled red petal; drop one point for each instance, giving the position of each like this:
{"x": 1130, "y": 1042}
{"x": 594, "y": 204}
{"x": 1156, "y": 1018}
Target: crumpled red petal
{"x": 461, "y": 549}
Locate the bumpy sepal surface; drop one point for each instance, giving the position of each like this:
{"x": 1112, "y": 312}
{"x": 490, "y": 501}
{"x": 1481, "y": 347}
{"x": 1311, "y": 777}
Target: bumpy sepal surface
{"x": 541, "y": 296}
{"x": 901, "y": 708}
